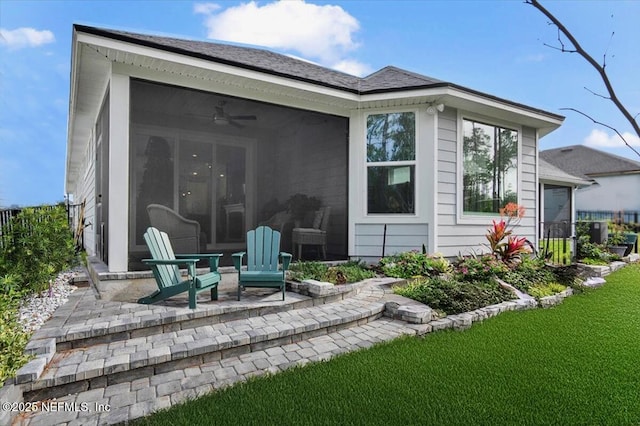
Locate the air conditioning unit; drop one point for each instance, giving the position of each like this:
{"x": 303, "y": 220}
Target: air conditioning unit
{"x": 598, "y": 232}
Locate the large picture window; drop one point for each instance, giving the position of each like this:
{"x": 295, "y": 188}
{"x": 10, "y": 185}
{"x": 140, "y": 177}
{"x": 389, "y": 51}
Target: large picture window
{"x": 490, "y": 167}
{"x": 391, "y": 154}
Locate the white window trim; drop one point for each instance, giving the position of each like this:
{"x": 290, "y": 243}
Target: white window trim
{"x": 414, "y": 162}
{"x": 478, "y": 218}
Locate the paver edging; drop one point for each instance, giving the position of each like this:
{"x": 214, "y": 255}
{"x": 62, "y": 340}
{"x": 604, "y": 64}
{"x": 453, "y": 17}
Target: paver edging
{"x": 400, "y": 307}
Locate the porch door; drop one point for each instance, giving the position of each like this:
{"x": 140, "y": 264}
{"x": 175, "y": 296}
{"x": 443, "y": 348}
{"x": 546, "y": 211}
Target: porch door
{"x": 212, "y": 189}
{"x": 230, "y": 201}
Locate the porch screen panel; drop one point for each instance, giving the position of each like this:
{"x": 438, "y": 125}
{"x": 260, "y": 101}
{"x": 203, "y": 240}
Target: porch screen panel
{"x": 152, "y": 163}
{"x": 229, "y": 175}
{"x": 194, "y": 186}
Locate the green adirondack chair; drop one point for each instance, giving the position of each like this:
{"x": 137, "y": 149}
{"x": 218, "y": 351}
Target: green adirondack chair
{"x": 165, "y": 270}
{"x": 263, "y": 254}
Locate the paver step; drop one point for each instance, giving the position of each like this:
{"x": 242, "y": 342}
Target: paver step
{"x": 133, "y": 397}
{"x": 100, "y": 365}
{"x": 96, "y": 321}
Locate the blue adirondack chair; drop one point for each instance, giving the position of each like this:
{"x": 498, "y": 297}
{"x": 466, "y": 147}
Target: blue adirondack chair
{"x": 263, "y": 254}
{"x": 165, "y": 270}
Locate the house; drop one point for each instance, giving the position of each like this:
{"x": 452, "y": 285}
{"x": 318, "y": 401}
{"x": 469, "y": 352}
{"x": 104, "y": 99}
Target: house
{"x": 615, "y": 180}
{"x": 224, "y": 134}
{"x": 557, "y": 200}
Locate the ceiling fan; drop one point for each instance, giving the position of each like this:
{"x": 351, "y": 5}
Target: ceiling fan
{"x": 220, "y": 117}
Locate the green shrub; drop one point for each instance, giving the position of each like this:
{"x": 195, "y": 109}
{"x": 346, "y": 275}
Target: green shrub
{"x": 12, "y": 338}
{"x": 41, "y": 245}
{"x": 588, "y": 252}
{"x": 528, "y": 273}
{"x": 301, "y": 271}
{"x": 479, "y": 268}
{"x": 412, "y": 264}
{"x": 453, "y": 296}
{"x": 543, "y": 290}
{"x": 567, "y": 275}
{"x": 348, "y": 272}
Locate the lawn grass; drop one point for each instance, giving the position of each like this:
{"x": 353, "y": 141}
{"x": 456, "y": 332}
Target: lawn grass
{"x": 577, "y": 363}
{"x": 560, "y": 248}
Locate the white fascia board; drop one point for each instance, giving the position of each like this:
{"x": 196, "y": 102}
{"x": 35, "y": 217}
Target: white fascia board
{"x": 460, "y": 99}
{"x": 545, "y": 122}
{"x": 551, "y": 180}
{"x": 262, "y": 76}
{"x": 73, "y": 84}
{"x": 409, "y": 97}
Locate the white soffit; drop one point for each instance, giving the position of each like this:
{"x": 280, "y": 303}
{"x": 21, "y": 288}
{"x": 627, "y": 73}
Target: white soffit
{"x": 265, "y": 86}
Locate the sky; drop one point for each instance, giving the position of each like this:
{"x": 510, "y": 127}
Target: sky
{"x": 497, "y": 47}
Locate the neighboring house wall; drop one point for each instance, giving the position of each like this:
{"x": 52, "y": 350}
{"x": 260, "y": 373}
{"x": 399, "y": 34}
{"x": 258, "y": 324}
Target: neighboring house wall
{"x": 611, "y": 193}
{"x": 464, "y": 234}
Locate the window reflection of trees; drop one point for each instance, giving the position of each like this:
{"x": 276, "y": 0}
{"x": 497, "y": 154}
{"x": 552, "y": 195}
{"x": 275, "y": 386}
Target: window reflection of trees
{"x": 490, "y": 167}
{"x": 391, "y": 139}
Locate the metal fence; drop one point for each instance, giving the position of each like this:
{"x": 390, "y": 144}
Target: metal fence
{"x": 628, "y": 217}
{"x": 558, "y": 242}
{"x": 75, "y": 218}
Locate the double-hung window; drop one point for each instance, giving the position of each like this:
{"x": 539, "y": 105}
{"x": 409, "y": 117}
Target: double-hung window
{"x": 490, "y": 167}
{"x": 391, "y": 162}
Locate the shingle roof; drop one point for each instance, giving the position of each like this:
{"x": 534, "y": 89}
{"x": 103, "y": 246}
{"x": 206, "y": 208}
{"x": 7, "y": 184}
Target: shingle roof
{"x": 245, "y": 57}
{"x": 388, "y": 79}
{"x": 550, "y": 172}
{"x": 585, "y": 162}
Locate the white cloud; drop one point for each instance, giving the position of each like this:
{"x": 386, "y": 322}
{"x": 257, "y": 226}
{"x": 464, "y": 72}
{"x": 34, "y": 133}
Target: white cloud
{"x": 352, "y": 67}
{"x": 205, "y": 8}
{"x": 599, "y": 138}
{"x": 324, "y": 33}
{"x": 25, "y": 37}
{"x": 535, "y": 57}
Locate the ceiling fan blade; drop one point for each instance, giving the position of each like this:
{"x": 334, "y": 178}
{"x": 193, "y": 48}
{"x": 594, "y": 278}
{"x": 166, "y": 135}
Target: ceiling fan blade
{"x": 243, "y": 117}
{"x": 237, "y": 125}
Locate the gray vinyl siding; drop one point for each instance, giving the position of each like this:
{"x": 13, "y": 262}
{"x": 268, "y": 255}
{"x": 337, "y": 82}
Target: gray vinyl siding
{"x": 86, "y": 193}
{"x": 370, "y": 237}
{"x": 528, "y": 193}
{"x": 454, "y": 238}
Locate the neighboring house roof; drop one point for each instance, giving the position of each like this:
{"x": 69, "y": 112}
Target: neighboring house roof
{"x": 388, "y": 79}
{"x": 551, "y": 174}
{"x": 585, "y": 162}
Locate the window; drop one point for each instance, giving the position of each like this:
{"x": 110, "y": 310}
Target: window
{"x": 490, "y": 167}
{"x": 391, "y": 155}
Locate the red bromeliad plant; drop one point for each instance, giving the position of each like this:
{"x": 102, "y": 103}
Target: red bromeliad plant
{"x": 508, "y": 251}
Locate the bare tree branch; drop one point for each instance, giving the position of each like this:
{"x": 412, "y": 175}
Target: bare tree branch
{"x": 605, "y": 125}
{"x": 599, "y": 68}
{"x": 596, "y": 94}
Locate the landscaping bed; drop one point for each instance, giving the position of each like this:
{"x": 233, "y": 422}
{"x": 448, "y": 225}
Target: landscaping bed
{"x": 554, "y": 366}
{"x": 35, "y": 248}
{"x": 507, "y": 270}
